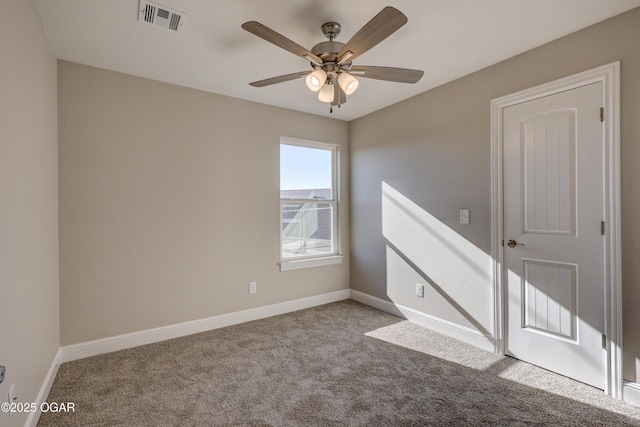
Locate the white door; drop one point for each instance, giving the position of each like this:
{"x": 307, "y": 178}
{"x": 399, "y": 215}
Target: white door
{"x": 553, "y": 243}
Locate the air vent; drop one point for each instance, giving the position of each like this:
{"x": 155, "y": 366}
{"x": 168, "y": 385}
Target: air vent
{"x": 161, "y": 16}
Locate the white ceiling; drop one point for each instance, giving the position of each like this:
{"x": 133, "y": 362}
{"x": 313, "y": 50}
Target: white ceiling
{"x": 446, "y": 38}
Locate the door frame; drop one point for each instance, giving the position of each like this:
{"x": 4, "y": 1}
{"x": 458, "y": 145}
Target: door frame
{"x": 609, "y": 76}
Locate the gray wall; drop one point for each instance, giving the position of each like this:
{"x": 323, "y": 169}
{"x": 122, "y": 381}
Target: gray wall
{"x": 169, "y": 204}
{"x": 433, "y": 154}
{"x": 29, "y": 335}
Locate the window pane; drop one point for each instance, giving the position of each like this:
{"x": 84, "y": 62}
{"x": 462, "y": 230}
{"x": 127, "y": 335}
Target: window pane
{"x": 307, "y": 229}
{"x": 305, "y": 173}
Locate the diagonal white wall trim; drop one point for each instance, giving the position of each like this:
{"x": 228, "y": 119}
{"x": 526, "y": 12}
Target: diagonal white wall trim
{"x": 32, "y": 419}
{"x": 134, "y": 339}
{"x": 463, "y": 333}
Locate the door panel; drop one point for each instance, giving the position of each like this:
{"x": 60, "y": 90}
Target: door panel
{"x": 553, "y": 205}
{"x": 549, "y": 150}
{"x": 550, "y": 298}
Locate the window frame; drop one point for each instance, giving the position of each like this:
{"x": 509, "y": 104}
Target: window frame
{"x": 315, "y": 260}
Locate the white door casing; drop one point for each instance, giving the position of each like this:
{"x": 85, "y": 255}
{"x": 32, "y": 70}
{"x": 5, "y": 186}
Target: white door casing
{"x": 557, "y": 284}
{"x": 553, "y": 208}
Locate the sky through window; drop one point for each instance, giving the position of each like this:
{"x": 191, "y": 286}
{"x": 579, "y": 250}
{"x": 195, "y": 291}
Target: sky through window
{"x": 304, "y": 168}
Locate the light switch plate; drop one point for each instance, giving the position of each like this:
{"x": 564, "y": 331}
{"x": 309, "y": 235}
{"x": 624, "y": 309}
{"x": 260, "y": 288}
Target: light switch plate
{"x": 420, "y": 290}
{"x": 464, "y": 216}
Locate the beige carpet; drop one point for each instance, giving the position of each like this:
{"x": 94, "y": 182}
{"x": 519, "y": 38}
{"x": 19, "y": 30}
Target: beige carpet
{"x": 338, "y": 364}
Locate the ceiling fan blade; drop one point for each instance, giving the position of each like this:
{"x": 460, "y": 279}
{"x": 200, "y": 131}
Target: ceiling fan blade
{"x": 279, "y": 40}
{"x": 280, "y": 79}
{"x": 379, "y": 28}
{"x": 339, "y": 97}
{"x": 392, "y": 74}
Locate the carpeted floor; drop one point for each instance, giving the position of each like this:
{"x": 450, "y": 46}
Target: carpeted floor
{"x": 338, "y": 364}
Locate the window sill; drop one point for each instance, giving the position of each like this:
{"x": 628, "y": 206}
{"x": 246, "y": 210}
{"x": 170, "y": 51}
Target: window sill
{"x": 310, "y": 262}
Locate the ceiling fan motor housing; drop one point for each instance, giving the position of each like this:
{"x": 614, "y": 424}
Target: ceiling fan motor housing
{"x": 327, "y": 51}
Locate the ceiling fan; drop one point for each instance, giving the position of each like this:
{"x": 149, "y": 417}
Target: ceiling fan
{"x": 332, "y": 73}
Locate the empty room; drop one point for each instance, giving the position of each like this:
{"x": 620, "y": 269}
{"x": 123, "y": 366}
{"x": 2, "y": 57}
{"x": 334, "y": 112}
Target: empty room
{"x": 295, "y": 213}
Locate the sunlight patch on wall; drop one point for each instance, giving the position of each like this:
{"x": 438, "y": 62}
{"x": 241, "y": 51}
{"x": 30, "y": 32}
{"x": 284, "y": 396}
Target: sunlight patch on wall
{"x": 456, "y": 273}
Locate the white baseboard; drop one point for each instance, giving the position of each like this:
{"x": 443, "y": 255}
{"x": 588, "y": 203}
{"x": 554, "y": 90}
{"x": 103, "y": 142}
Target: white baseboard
{"x": 463, "y": 333}
{"x": 32, "y": 419}
{"x": 149, "y": 336}
{"x": 375, "y": 302}
{"x": 631, "y": 393}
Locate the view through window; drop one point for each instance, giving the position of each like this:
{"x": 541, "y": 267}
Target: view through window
{"x": 307, "y": 200}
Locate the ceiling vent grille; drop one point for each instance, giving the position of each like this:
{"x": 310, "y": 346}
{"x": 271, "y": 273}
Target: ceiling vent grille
{"x": 161, "y": 16}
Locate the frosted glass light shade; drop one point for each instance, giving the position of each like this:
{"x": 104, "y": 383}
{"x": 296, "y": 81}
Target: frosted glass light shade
{"x": 316, "y": 80}
{"x": 326, "y": 93}
{"x": 348, "y": 83}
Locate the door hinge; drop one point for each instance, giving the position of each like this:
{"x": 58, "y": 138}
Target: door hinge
{"x": 602, "y": 114}
{"x": 503, "y": 243}
{"x": 602, "y": 228}
{"x": 604, "y": 341}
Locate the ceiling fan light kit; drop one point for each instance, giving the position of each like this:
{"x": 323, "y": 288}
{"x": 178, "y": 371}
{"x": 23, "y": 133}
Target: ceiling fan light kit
{"x": 316, "y": 80}
{"x": 331, "y": 62}
{"x": 348, "y": 83}
{"x": 326, "y": 93}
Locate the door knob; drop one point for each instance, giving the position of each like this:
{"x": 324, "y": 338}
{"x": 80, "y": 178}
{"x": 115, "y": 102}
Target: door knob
{"x": 512, "y": 243}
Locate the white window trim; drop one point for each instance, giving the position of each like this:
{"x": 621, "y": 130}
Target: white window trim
{"x": 297, "y": 264}
{"x": 335, "y": 257}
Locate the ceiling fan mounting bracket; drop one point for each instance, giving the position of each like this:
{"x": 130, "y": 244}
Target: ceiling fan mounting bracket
{"x": 331, "y": 30}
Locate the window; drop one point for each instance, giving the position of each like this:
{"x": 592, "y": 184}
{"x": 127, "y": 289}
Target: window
{"x": 308, "y": 204}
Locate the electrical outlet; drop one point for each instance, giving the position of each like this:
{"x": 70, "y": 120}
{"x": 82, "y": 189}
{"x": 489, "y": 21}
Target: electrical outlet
{"x": 420, "y": 290}
{"x": 12, "y": 393}
{"x": 252, "y": 287}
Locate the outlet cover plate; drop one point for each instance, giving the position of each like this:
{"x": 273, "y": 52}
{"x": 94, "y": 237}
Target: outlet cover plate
{"x": 12, "y": 393}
